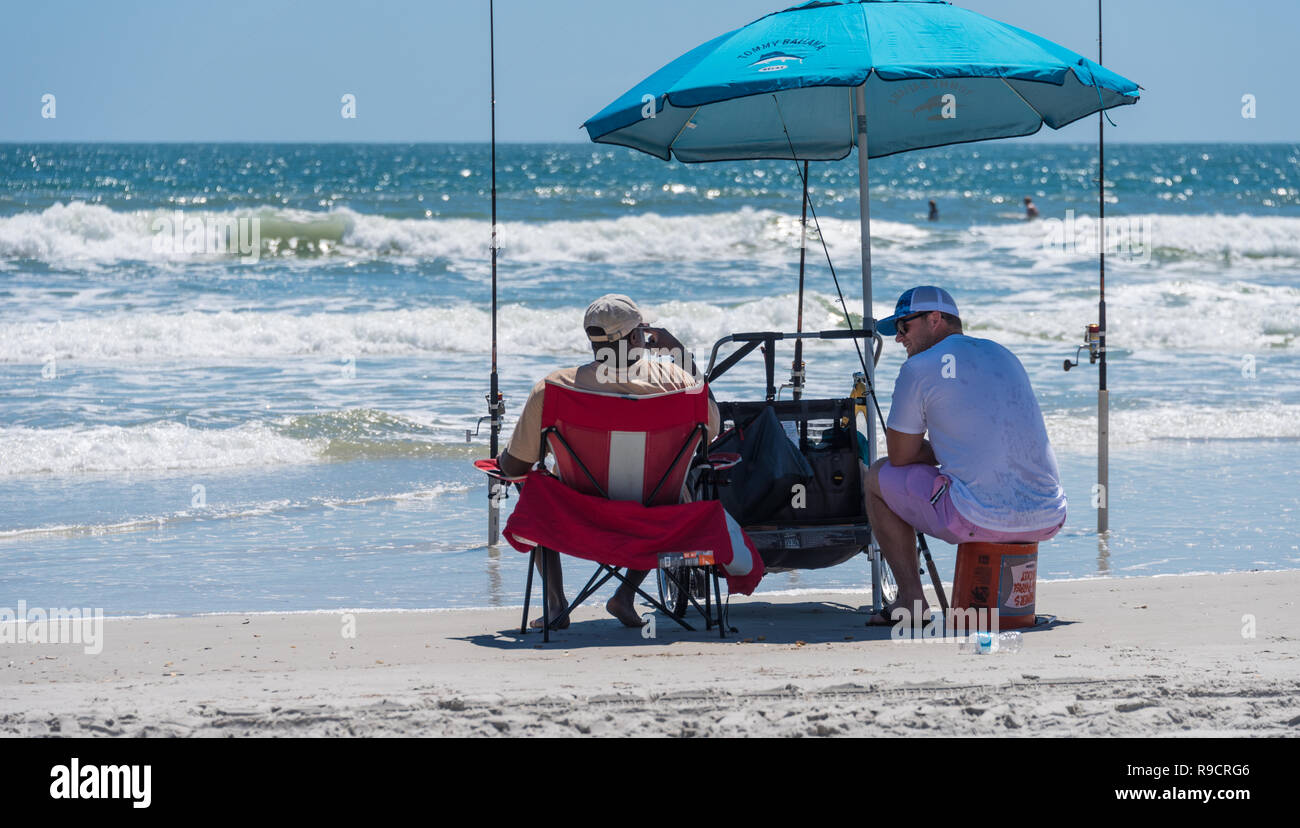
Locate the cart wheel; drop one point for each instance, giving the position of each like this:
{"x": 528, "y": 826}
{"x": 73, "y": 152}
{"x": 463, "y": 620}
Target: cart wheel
{"x": 674, "y": 586}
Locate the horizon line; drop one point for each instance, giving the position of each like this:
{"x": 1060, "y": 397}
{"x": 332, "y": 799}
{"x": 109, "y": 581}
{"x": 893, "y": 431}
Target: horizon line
{"x": 422, "y": 142}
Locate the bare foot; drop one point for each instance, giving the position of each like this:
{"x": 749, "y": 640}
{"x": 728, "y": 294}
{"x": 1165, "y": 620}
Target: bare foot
{"x": 886, "y": 617}
{"x": 560, "y": 624}
{"x": 624, "y": 611}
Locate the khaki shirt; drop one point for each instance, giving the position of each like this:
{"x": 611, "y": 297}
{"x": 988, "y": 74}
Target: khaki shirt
{"x": 646, "y": 377}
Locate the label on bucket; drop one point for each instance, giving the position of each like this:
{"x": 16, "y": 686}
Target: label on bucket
{"x": 1016, "y": 584}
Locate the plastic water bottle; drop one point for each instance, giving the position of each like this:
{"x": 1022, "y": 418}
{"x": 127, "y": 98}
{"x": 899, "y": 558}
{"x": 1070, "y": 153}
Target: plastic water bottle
{"x": 984, "y": 643}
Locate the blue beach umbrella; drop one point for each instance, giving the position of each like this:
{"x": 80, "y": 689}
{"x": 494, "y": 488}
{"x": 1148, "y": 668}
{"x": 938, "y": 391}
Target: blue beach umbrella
{"x": 886, "y": 76}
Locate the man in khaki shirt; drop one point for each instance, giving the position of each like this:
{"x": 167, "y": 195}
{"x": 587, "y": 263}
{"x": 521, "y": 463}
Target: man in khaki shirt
{"x": 620, "y": 342}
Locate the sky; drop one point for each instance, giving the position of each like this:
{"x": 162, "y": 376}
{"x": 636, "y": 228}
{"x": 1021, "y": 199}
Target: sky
{"x": 273, "y": 70}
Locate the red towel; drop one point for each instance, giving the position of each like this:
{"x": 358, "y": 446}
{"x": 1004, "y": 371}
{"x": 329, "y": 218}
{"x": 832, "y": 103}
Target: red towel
{"x": 623, "y": 533}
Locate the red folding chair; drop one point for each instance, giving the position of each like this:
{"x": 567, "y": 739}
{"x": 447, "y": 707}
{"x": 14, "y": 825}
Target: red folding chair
{"x": 623, "y": 447}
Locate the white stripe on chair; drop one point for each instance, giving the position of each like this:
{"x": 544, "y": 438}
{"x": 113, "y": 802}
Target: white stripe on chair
{"x": 627, "y": 465}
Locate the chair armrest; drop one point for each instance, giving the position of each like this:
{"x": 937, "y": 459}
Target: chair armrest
{"x": 493, "y": 470}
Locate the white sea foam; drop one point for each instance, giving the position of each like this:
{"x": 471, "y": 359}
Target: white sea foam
{"x": 1179, "y": 314}
{"x": 1231, "y": 317}
{"x": 80, "y": 232}
{"x": 342, "y": 435}
{"x": 154, "y": 447}
{"x": 76, "y": 231}
{"x": 1071, "y": 431}
{"x": 175, "y": 447}
{"x": 230, "y": 513}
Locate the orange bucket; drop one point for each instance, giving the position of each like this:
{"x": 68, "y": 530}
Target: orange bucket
{"x": 998, "y": 577}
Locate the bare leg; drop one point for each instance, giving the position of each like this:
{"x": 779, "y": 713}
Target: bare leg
{"x": 897, "y": 541}
{"x": 622, "y": 606}
{"x": 556, "y": 603}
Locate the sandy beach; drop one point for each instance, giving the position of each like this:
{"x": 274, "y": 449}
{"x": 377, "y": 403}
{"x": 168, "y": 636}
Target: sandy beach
{"x": 1137, "y": 656}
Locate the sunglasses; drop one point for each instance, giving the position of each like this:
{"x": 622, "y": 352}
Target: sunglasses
{"x": 903, "y": 323}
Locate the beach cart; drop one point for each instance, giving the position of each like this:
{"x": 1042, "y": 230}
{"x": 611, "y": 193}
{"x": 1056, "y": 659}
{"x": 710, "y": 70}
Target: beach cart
{"x": 817, "y": 522}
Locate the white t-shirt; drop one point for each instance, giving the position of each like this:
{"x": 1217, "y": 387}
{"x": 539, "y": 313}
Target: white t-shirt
{"x": 987, "y": 431}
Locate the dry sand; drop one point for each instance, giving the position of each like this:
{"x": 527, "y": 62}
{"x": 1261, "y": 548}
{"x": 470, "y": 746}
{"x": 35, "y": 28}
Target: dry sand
{"x": 1135, "y": 656}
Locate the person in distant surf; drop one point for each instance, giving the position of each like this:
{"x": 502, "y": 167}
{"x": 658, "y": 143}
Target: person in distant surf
{"x": 987, "y": 473}
{"x": 934, "y": 211}
{"x": 1031, "y": 212}
{"x": 620, "y": 342}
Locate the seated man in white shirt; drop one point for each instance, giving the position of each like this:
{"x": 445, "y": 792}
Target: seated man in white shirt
{"x": 987, "y": 473}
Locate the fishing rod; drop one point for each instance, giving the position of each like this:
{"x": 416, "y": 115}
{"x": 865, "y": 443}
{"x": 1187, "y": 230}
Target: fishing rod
{"x": 797, "y": 369}
{"x": 1103, "y": 394}
{"x": 496, "y": 403}
{"x": 866, "y": 375}
{"x": 1094, "y": 336}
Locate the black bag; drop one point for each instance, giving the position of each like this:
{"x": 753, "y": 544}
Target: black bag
{"x": 770, "y": 467}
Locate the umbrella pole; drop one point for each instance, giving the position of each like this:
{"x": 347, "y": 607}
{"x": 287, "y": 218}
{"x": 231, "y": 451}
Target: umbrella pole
{"x": 864, "y": 206}
{"x": 868, "y": 320}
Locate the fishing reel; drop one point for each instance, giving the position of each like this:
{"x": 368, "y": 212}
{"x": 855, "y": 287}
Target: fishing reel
{"x": 798, "y": 379}
{"x": 495, "y": 419}
{"x": 1091, "y": 341}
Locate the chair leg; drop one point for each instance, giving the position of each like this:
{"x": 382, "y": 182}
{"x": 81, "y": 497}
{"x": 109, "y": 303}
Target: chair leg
{"x": 876, "y": 581}
{"x": 528, "y": 591}
{"x": 654, "y": 603}
{"x": 717, "y": 595}
{"x": 708, "y": 608}
{"x": 934, "y": 573}
{"x": 593, "y": 584}
{"x": 546, "y": 601}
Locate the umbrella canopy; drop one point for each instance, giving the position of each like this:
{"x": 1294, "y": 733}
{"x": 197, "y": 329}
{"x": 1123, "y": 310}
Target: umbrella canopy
{"x": 886, "y": 76}
{"x": 735, "y": 96}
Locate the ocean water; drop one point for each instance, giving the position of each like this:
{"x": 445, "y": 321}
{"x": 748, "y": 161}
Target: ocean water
{"x": 188, "y": 427}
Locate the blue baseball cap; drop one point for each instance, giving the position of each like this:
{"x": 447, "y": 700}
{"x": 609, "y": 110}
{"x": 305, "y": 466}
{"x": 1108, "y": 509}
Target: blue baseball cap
{"x": 918, "y": 300}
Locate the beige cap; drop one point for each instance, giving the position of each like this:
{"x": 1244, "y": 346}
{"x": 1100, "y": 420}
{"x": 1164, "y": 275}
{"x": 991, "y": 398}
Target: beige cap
{"x": 613, "y": 313}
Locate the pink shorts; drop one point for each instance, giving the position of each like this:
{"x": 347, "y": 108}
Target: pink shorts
{"x": 919, "y": 494}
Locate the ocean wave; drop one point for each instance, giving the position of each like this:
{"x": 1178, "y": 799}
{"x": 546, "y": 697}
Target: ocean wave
{"x": 1173, "y": 314}
{"x": 370, "y": 434}
{"x": 81, "y": 232}
{"x": 153, "y": 447}
{"x": 1149, "y": 240}
{"x": 172, "y": 446}
{"x": 1231, "y": 316}
{"x": 1078, "y": 431}
{"x": 240, "y": 512}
